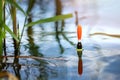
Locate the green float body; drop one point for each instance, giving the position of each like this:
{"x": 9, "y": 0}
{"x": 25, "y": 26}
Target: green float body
{"x": 79, "y": 49}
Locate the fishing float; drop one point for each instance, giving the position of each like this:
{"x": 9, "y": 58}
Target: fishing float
{"x": 79, "y": 49}
{"x": 79, "y": 44}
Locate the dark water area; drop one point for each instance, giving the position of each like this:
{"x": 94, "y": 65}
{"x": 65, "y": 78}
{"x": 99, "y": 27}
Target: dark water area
{"x": 52, "y": 46}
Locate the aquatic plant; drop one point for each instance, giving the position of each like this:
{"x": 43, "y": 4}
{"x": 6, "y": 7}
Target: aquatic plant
{"x": 12, "y": 6}
{"x": 51, "y": 19}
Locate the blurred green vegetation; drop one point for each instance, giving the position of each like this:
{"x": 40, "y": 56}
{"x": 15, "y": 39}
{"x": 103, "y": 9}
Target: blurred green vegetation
{"x": 10, "y": 7}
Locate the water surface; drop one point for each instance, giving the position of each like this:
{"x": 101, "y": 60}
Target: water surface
{"x": 55, "y": 42}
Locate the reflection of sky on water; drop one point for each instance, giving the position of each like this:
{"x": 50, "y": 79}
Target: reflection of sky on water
{"x": 109, "y": 16}
{"x": 97, "y": 61}
{"x": 98, "y": 16}
{"x": 103, "y": 15}
{"x": 101, "y": 52}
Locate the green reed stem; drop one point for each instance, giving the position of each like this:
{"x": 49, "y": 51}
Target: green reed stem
{"x": 5, "y": 33}
{"x": 1, "y": 26}
{"x": 14, "y": 26}
{"x": 22, "y": 33}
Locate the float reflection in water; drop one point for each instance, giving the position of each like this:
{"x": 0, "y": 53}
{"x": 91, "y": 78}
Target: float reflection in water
{"x": 80, "y": 64}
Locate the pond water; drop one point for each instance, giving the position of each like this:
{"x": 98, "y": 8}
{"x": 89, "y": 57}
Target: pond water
{"x": 54, "y": 44}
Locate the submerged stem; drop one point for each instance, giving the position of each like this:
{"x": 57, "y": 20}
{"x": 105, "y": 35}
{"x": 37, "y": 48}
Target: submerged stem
{"x": 5, "y": 33}
{"x": 15, "y": 27}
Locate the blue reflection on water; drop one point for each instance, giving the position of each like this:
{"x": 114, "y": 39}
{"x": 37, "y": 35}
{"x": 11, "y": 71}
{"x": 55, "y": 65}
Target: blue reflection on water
{"x": 100, "y": 55}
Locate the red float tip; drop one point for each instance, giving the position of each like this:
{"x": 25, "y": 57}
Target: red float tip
{"x": 79, "y": 32}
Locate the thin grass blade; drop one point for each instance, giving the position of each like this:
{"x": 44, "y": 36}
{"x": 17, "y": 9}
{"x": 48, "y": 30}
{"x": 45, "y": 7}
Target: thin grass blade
{"x": 13, "y": 3}
{"x": 11, "y": 33}
{"x": 51, "y": 19}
